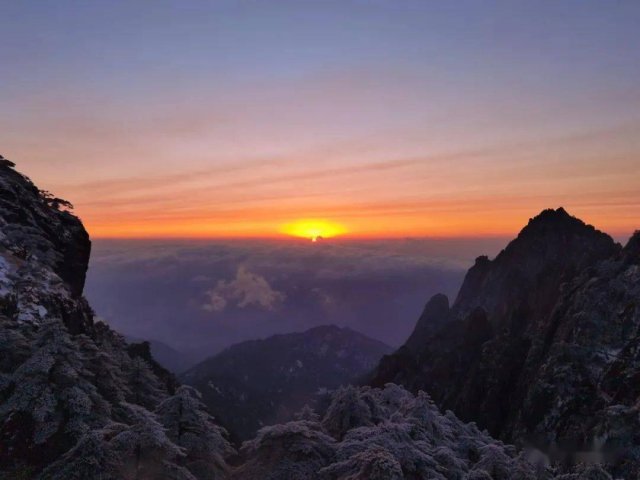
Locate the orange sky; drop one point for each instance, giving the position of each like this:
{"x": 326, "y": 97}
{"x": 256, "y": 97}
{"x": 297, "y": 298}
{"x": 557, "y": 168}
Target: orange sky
{"x": 491, "y": 192}
{"x": 434, "y": 120}
{"x": 477, "y": 192}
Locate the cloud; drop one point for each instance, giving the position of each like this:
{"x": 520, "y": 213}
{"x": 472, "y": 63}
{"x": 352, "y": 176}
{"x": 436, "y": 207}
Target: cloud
{"x": 190, "y": 294}
{"x": 246, "y": 289}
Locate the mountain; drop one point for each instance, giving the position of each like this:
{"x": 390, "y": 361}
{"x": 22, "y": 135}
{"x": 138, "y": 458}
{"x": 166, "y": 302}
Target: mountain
{"x": 167, "y": 356}
{"x": 77, "y": 401}
{"x": 261, "y": 382}
{"x": 542, "y": 344}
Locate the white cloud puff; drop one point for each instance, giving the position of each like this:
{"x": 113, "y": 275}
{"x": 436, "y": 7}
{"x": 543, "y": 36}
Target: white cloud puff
{"x": 246, "y": 289}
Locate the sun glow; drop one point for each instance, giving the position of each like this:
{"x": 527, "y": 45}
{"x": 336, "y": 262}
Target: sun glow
{"x": 313, "y": 229}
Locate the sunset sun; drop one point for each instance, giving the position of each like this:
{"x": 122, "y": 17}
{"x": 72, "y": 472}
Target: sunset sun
{"x": 313, "y": 229}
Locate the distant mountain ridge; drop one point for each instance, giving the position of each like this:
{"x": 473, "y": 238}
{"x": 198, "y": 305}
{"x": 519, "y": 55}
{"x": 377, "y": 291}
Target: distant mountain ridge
{"x": 259, "y": 382}
{"x": 542, "y": 343}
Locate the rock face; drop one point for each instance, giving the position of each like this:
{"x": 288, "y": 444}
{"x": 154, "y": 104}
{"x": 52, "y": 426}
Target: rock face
{"x": 541, "y": 345}
{"x": 261, "y": 382}
{"x": 76, "y": 401}
{"x": 35, "y": 227}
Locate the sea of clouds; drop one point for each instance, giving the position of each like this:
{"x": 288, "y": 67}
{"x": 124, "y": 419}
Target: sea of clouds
{"x": 202, "y": 296}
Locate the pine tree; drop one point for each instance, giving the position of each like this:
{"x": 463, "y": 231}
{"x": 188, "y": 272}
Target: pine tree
{"x": 291, "y": 451}
{"x": 144, "y": 386}
{"x": 190, "y": 426}
{"x": 144, "y": 450}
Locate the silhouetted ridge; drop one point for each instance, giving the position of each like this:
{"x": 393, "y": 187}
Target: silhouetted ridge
{"x": 523, "y": 348}
{"x": 434, "y": 315}
{"x": 550, "y": 249}
{"x": 632, "y": 248}
{"x": 260, "y": 382}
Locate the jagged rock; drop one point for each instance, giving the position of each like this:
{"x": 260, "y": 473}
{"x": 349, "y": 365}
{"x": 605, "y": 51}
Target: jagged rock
{"x": 76, "y": 401}
{"x": 36, "y": 231}
{"x": 541, "y": 345}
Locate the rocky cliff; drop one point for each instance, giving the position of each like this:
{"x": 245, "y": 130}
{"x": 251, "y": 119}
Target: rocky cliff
{"x": 77, "y": 402}
{"x": 541, "y": 344}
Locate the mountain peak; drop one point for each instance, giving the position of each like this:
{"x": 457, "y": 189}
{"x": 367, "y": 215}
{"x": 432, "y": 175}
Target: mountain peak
{"x": 632, "y": 248}
{"x": 38, "y": 229}
{"x": 548, "y": 250}
{"x": 558, "y": 220}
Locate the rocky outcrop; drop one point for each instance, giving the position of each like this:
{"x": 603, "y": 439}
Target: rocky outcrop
{"x": 541, "y": 343}
{"x": 76, "y": 401}
{"x": 38, "y": 227}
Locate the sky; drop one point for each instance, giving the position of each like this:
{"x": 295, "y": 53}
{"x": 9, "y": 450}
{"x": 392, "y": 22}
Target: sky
{"x": 385, "y": 118}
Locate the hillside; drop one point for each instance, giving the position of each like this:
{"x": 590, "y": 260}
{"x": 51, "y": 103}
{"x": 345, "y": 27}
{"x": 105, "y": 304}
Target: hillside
{"x": 262, "y": 382}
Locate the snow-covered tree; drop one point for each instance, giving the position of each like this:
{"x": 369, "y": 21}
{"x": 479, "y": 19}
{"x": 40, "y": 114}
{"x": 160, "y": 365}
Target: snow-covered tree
{"x": 382, "y": 434}
{"x": 144, "y": 450}
{"x": 51, "y": 391}
{"x": 372, "y": 464}
{"x": 189, "y": 426}
{"x": 106, "y": 367}
{"x": 307, "y": 413}
{"x": 145, "y": 387}
{"x": 92, "y": 457}
{"x": 291, "y": 451}
{"x": 350, "y": 407}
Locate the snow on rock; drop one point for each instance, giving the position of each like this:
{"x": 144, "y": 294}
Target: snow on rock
{"x": 77, "y": 401}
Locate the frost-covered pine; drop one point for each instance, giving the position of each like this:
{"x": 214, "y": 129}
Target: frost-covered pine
{"x": 291, "y": 451}
{"x": 106, "y": 367}
{"x": 145, "y": 387}
{"x": 383, "y": 434}
{"x": 92, "y": 457}
{"x": 372, "y": 464}
{"x": 189, "y": 426}
{"x": 350, "y": 407}
{"x": 144, "y": 449}
{"x": 122, "y": 452}
{"x": 51, "y": 394}
{"x": 306, "y": 413}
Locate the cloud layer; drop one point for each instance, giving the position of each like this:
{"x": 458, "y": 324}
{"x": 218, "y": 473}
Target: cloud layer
{"x": 203, "y": 296}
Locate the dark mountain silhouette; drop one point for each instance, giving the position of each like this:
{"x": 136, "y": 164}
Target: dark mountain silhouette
{"x": 541, "y": 345}
{"x": 261, "y": 382}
